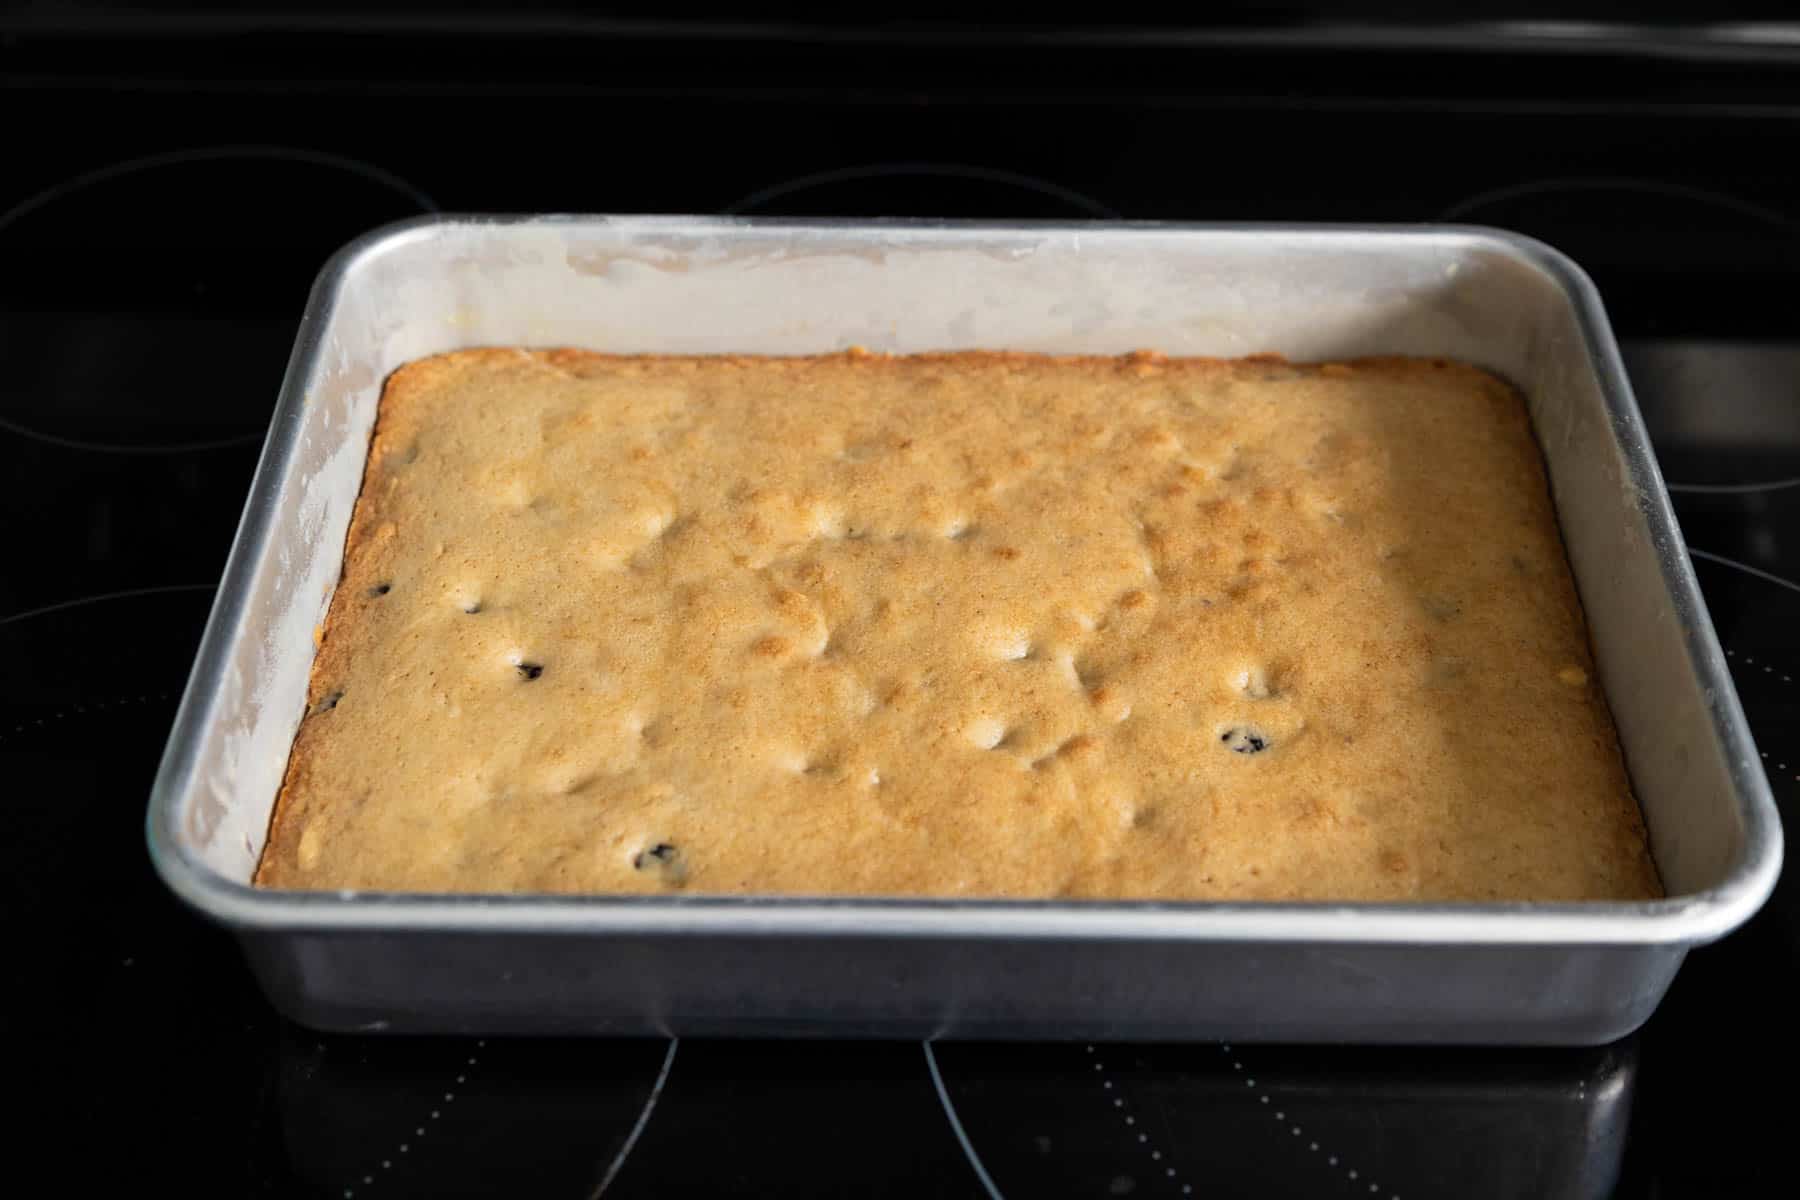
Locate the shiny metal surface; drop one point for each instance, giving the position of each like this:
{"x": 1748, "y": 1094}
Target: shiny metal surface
{"x": 1519, "y": 973}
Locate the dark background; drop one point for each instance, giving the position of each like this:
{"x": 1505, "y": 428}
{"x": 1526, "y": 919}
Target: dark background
{"x": 173, "y": 178}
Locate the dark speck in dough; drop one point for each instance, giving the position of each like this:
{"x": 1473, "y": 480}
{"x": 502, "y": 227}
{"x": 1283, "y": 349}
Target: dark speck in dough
{"x": 1243, "y": 740}
{"x": 665, "y": 858}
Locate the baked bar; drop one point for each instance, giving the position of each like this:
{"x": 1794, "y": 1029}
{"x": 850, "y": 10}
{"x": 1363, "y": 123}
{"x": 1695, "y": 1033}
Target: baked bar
{"x": 980, "y": 624}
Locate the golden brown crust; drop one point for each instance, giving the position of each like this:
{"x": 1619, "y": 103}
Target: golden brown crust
{"x": 956, "y": 624}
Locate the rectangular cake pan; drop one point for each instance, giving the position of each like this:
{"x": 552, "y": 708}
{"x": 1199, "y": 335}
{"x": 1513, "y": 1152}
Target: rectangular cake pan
{"x": 1512, "y": 973}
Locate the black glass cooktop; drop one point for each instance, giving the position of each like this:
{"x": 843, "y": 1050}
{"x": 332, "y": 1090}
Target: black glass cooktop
{"x": 167, "y": 198}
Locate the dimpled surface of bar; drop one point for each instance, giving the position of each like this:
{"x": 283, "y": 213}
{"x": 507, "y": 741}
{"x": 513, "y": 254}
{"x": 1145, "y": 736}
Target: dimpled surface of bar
{"x": 978, "y": 624}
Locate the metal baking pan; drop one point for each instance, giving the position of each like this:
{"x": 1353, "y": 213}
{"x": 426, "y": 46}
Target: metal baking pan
{"x": 1512, "y": 973}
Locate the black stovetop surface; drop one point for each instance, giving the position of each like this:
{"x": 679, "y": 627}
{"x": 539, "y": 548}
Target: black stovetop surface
{"x": 166, "y": 201}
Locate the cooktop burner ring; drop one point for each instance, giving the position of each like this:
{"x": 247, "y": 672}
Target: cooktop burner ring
{"x": 419, "y": 1132}
{"x": 956, "y": 1125}
{"x": 1746, "y": 568}
{"x": 1662, "y": 188}
{"x": 643, "y": 1119}
{"x": 130, "y": 273}
{"x": 1735, "y": 489}
{"x": 999, "y": 177}
{"x": 125, "y": 594}
{"x": 176, "y": 158}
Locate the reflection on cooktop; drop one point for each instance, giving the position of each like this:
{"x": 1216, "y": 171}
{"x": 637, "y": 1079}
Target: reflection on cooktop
{"x": 1724, "y": 414}
{"x": 1272, "y": 1121}
{"x": 1019, "y": 1120}
{"x": 423, "y": 1116}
